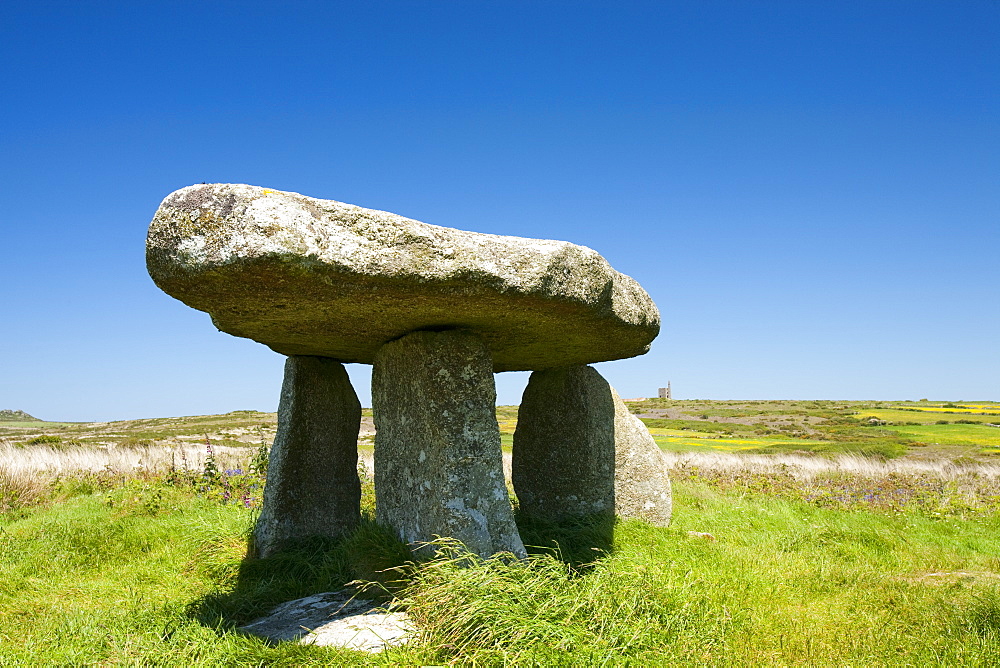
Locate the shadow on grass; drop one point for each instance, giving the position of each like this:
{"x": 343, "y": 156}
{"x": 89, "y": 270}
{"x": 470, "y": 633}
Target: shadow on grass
{"x": 371, "y": 554}
{"x": 982, "y": 616}
{"x": 578, "y": 542}
{"x": 306, "y": 567}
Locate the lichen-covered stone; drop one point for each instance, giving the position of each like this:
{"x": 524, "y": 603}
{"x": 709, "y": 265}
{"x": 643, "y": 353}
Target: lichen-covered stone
{"x": 335, "y": 619}
{"x": 312, "y": 474}
{"x": 318, "y": 277}
{"x": 438, "y": 465}
{"x": 578, "y": 451}
{"x": 642, "y": 482}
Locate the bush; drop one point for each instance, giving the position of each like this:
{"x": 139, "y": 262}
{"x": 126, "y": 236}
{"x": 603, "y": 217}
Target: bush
{"x": 45, "y": 439}
{"x": 133, "y": 442}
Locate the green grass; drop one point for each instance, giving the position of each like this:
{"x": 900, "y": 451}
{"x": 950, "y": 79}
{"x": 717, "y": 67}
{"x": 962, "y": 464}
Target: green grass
{"x": 820, "y": 427}
{"x": 35, "y": 426}
{"x": 782, "y": 583}
{"x": 899, "y": 415}
{"x": 98, "y": 584}
{"x": 701, "y": 426}
{"x": 149, "y": 573}
{"x": 951, "y": 434}
{"x": 110, "y": 570}
{"x": 678, "y": 443}
{"x": 871, "y": 447}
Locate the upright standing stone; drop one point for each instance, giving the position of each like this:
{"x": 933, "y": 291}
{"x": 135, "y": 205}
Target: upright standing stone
{"x": 312, "y": 475}
{"x": 438, "y": 465}
{"x": 578, "y": 451}
{"x": 642, "y": 482}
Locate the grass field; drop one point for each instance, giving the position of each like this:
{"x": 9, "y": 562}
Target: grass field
{"x": 776, "y": 555}
{"x": 809, "y": 426}
{"x": 952, "y": 434}
{"x": 19, "y": 426}
{"x": 883, "y": 429}
{"x": 669, "y": 439}
{"x": 150, "y": 573}
{"x": 930, "y": 416}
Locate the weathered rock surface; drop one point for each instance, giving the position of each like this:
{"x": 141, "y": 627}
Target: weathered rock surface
{"x": 642, "y": 482}
{"x": 438, "y": 466}
{"x": 578, "y": 451}
{"x": 563, "y": 460}
{"x": 318, "y": 277}
{"x": 334, "y": 619}
{"x": 312, "y": 474}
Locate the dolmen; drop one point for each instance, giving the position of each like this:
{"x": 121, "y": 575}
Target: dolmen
{"x": 436, "y": 311}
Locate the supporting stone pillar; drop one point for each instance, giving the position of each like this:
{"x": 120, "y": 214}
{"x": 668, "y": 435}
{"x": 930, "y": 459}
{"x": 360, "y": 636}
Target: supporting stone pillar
{"x": 312, "y": 474}
{"x": 438, "y": 465}
{"x": 578, "y": 451}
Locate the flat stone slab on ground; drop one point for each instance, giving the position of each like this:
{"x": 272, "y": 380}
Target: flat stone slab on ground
{"x": 334, "y": 619}
{"x": 307, "y": 276}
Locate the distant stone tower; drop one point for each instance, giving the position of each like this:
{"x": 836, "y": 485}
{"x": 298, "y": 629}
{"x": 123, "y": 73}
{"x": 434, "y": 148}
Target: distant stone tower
{"x": 665, "y": 392}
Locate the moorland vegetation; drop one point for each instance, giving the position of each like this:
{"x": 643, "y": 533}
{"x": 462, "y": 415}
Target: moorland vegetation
{"x": 8, "y": 415}
{"x": 843, "y": 533}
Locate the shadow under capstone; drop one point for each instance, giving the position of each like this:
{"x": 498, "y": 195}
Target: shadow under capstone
{"x": 303, "y": 567}
{"x": 578, "y": 542}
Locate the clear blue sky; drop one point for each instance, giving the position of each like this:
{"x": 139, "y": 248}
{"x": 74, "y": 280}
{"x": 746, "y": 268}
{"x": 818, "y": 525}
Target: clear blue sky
{"x": 810, "y": 191}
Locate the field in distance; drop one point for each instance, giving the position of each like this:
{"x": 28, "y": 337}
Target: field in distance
{"x": 874, "y": 428}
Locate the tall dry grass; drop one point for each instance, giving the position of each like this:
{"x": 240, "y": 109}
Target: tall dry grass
{"x": 191, "y": 456}
{"x": 808, "y": 467}
{"x": 30, "y": 475}
{"x": 61, "y": 460}
{"x": 45, "y": 460}
{"x": 938, "y": 487}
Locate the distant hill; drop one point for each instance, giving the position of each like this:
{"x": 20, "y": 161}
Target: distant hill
{"x": 16, "y": 416}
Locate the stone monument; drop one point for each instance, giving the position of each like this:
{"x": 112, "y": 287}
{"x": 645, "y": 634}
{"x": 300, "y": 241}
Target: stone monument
{"x": 578, "y": 451}
{"x": 436, "y": 311}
